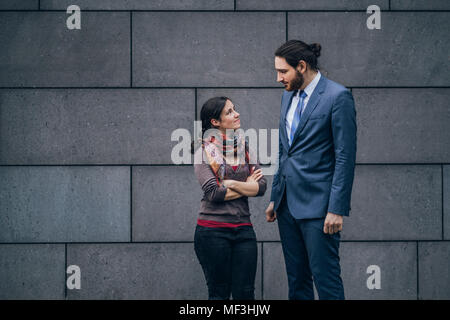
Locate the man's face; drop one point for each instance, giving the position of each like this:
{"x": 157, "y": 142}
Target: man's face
{"x": 290, "y": 77}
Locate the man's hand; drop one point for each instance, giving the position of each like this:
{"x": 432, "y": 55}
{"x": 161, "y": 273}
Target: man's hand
{"x": 333, "y": 223}
{"x": 271, "y": 215}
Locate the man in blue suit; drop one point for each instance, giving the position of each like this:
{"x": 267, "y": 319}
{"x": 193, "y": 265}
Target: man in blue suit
{"x": 312, "y": 188}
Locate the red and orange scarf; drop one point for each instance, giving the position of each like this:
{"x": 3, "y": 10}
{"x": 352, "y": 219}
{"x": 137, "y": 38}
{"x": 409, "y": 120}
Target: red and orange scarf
{"x": 217, "y": 149}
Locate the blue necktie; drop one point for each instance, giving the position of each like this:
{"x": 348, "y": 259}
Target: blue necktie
{"x": 297, "y": 115}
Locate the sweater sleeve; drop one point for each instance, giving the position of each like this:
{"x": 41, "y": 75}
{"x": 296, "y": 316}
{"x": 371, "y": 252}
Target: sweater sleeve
{"x": 207, "y": 179}
{"x": 262, "y": 183}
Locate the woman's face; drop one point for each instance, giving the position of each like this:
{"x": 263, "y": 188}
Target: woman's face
{"x": 229, "y": 118}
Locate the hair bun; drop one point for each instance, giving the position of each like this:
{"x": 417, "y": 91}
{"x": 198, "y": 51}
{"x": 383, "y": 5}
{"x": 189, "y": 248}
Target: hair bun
{"x": 315, "y": 48}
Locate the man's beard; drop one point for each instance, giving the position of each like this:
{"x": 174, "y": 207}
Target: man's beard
{"x": 297, "y": 82}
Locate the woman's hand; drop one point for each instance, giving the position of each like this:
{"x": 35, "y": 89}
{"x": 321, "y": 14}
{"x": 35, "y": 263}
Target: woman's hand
{"x": 255, "y": 176}
{"x": 249, "y": 188}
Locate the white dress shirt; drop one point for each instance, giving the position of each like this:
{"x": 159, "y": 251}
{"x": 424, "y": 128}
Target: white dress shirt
{"x": 308, "y": 90}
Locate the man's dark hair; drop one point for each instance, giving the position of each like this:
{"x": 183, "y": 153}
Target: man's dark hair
{"x": 295, "y": 50}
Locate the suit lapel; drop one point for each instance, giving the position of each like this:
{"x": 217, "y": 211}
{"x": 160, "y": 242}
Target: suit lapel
{"x": 312, "y": 104}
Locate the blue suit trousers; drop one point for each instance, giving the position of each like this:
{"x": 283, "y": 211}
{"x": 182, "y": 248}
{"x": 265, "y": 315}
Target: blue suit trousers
{"x": 309, "y": 254}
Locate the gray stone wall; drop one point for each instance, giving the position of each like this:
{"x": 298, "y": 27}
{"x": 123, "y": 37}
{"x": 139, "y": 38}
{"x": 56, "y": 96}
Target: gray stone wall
{"x": 86, "y": 117}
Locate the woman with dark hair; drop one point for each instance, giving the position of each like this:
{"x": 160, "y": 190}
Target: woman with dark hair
{"x": 224, "y": 241}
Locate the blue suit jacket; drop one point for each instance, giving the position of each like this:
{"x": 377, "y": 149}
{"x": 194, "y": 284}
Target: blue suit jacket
{"x": 317, "y": 170}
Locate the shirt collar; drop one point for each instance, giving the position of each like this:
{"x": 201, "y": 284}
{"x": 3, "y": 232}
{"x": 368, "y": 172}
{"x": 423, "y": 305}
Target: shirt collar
{"x": 311, "y": 86}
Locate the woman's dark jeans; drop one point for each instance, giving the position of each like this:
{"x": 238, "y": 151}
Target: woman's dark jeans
{"x": 228, "y": 258}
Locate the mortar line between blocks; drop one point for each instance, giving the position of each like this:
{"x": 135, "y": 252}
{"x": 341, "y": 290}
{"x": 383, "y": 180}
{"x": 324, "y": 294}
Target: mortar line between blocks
{"x": 131, "y": 48}
{"x": 442, "y": 199}
{"x": 65, "y": 271}
{"x": 262, "y": 270}
{"x": 417, "y": 269}
{"x": 287, "y": 33}
{"x": 131, "y": 203}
